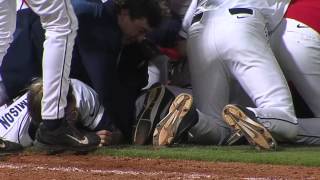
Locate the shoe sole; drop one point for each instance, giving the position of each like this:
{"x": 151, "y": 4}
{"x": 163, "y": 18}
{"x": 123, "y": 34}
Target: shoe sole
{"x": 7, "y": 149}
{"x": 255, "y": 133}
{"x": 56, "y": 149}
{"x": 166, "y": 129}
{"x": 143, "y": 129}
{"x": 10, "y": 153}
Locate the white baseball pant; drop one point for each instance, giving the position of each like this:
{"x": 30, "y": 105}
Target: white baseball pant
{"x": 60, "y": 24}
{"x": 222, "y": 47}
{"x": 297, "y": 48}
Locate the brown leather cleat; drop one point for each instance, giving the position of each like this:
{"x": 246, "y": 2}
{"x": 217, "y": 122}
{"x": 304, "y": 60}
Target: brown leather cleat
{"x": 175, "y": 125}
{"x": 243, "y": 123}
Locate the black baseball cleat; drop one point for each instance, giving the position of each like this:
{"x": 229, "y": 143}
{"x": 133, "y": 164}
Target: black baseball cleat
{"x": 8, "y": 147}
{"x": 66, "y": 138}
{"x": 156, "y": 104}
{"x": 243, "y": 123}
{"x": 174, "y": 127}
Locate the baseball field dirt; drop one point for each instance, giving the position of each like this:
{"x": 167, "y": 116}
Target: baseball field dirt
{"x": 77, "y": 167}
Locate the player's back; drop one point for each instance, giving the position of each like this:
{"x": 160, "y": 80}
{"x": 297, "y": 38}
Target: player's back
{"x": 15, "y": 121}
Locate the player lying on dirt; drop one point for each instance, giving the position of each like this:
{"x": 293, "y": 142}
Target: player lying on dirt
{"x": 19, "y": 120}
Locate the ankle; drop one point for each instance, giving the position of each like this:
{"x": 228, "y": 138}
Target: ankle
{"x": 52, "y": 124}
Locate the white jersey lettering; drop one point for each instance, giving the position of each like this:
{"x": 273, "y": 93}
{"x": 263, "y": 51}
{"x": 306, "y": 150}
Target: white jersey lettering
{"x": 8, "y": 117}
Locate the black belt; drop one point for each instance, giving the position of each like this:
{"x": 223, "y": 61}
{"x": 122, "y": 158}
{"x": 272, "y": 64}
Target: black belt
{"x": 196, "y": 18}
{"x": 234, "y": 11}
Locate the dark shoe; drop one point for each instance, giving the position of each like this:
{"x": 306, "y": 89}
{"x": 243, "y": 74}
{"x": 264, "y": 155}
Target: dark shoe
{"x": 243, "y": 123}
{"x": 174, "y": 127}
{"x": 66, "y": 138}
{"x": 8, "y": 147}
{"x": 157, "y": 102}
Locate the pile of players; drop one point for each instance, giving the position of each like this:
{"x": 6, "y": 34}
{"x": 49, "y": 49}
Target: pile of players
{"x": 159, "y": 72}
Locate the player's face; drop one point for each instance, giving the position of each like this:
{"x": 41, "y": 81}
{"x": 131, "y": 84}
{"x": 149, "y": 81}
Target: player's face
{"x": 133, "y": 29}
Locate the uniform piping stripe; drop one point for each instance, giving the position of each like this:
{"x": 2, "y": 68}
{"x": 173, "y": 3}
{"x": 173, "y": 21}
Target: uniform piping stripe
{"x": 280, "y": 120}
{"x": 64, "y": 59}
{"x": 301, "y": 135}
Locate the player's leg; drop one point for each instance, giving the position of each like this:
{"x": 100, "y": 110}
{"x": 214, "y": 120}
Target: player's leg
{"x": 250, "y": 59}
{"x": 60, "y": 24}
{"x": 297, "y": 48}
{"x": 7, "y": 27}
{"x": 308, "y": 132}
{"x": 210, "y": 83}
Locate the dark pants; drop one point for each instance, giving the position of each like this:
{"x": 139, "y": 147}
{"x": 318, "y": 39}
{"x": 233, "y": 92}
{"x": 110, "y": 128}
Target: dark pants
{"x": 118, "y": 84}
{"x": 23, "y": 59}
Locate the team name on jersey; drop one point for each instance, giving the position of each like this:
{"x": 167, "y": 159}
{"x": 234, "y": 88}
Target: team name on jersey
{"x": 11, "y": 113}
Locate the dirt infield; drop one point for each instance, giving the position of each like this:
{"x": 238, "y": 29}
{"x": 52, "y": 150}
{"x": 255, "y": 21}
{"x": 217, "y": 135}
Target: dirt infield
{"x": 26, "y": 166}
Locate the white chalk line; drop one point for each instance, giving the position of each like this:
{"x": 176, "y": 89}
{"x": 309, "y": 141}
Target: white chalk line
{"x": 99, "y": 171}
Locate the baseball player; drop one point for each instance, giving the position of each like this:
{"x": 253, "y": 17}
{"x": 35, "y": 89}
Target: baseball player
{"x": 153, "y": 105}
{"x": 296, "y": 44}
{"x": 60, "y": 23}
{"x": 228, "y": 42}
{"x": 15, "y": 122}
{"x": 20, "y": 120}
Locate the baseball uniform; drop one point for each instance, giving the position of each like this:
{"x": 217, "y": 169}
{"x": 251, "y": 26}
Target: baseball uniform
{"x": 15, "y": 119}
{"x": 228, "y": 41}
{"x": 296, "y": 44}
{"x": 58, "y": 19}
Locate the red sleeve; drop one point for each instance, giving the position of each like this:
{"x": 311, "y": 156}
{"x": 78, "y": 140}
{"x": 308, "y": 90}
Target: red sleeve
{"x": 171, "y": 53}
{"x": 305, "y": 11}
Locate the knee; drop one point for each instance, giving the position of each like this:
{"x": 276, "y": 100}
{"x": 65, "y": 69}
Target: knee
{"x": 286, "y": 134}
{"x": 292, "y": 134}
{"x": 62, "y": 24}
